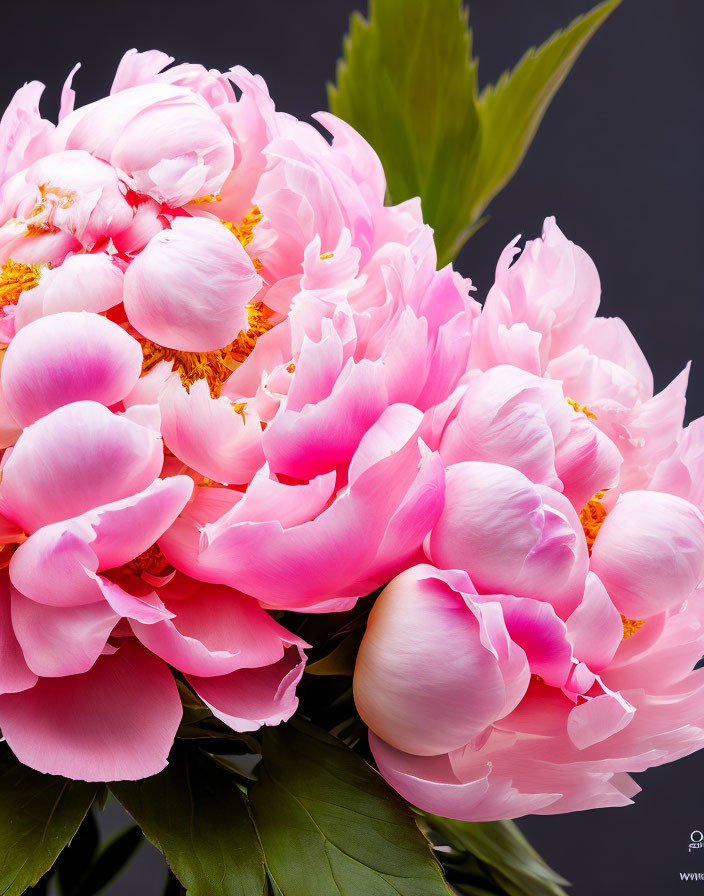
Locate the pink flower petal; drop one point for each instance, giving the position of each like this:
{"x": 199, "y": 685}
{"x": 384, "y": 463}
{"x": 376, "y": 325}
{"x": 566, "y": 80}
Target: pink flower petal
{"x": 77, "y": 457}
{"x": 216, "y": 631}
{"x": 58, "y": 641}
{"x": 65, "y": 358}
{"x": 115, "y": 722}
{"x": 189, "y": 287}
{"x": 249, "y": 698}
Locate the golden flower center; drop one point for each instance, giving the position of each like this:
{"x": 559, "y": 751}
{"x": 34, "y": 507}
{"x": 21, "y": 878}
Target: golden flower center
{"x": 631, "y": 626}
{"x": 16, "y": 278}
{"x": 216, "y": 366}
{"x": 244, "y": 231}
{"x": 591, "y": 516}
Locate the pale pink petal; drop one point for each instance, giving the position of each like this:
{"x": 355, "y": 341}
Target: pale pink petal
{"x": 208, "y": 434}
{"x": 595, "y": 628}
{"x": 57, "y": 564}
{"x": 139, "y": 68}
{"x": 649, "y": 553}
{"x": 15, "y": 674}
{"x": 416, "y": 620}
{"x": 189, "y": 287}
{"x": 214, "y": 632}
{"x": 81, "y": 283}
{"x": 511, "y": 536}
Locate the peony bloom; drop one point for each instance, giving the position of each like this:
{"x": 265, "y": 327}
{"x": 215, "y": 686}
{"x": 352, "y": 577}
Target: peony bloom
{"x": 548, "y": 650}
{"x": 221, "y": 355}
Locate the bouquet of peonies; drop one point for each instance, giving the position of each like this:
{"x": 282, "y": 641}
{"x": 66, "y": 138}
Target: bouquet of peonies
{"x": 247, "y": 423}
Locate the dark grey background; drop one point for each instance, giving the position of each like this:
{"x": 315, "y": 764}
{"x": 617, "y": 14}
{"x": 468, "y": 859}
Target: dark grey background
{"x": 618, "y": 160}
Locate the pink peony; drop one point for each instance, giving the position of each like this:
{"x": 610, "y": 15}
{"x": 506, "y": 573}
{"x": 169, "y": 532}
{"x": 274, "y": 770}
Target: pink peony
{"x": 222, "y": 355}
{"x": 549, "y": 649}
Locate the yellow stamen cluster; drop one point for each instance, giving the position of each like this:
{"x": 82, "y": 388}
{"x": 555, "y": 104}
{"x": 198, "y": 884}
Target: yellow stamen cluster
{"x": 244, "y": 231}
{"x": 15, "y": 279}
{"x": 209, "y": 197}
{"x": 581, "y": 408}
{"x": 631, "y": 626}
{"x": 150, "y": 562}
{"x": 592, "y": 515}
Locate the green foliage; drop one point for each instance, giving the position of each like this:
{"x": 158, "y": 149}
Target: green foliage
{"x": 408, "y": 83}
{"x": 196, "y": 815}
{"x": 324, "y": 815}
{"x": 492, "y": 858}
{"x": 39, "y": 814}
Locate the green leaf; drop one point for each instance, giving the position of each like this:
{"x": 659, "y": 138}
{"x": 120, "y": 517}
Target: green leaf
{"x": 504, "y": 851}
{"x": 39, "y": 814}
{"x": 340, "y": 660}
{"x": 195, "y": 814}
{"x": 324, "y": 815}
{"x": 408, "y": 83}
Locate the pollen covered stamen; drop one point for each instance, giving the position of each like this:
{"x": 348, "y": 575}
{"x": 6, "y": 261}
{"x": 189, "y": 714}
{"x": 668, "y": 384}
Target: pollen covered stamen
{"x": 581, "y": 409}
{"x": 631, "y": 626}
{"x": 244, "y": 231}
{"x": 592, "y": 515}
{"x": 15, "y": 279}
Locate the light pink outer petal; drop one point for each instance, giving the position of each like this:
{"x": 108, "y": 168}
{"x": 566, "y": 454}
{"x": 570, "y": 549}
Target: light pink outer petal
{"x": 24, "y": 134}
{"x": 430, "y": 783}
{"x": 424, "y": 681}
{"x": 311, "y": 562}
{"x": 116, "y": 722}
{"x": 249, "y": 698}
{"x": 510, "y": 536}
{"x": 137, "y": 68}
{"x": 58, "y": 641}
{"x": 598, "y": 718}
{"x": 76, "y": 458}
{"x": 649, "y": 553}
{"x": 189, "y": 286}
{"x": 325, "y": 435}
{"x": 68, "y": 357}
